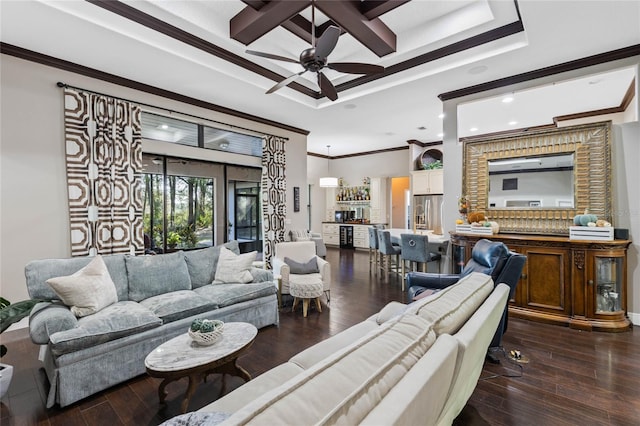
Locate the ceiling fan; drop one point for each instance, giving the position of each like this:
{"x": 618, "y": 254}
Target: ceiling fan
{"x": 315, "y": 58}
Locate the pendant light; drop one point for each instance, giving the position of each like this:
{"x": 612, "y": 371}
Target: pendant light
{"x": 328, "y": 181}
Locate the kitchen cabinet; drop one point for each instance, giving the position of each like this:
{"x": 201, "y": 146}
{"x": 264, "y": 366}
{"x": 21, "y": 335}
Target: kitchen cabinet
{"x": 330, "y": 204}
{"x": 378, "y": 189}
{"x": 582, "y": 284}
{"x": 331, "y": 233}
{"x": 426, "y": 182}
{"x": 361, "y": 236}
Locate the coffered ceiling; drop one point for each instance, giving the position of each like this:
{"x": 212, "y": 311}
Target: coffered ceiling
{"x": 428, "y": 47}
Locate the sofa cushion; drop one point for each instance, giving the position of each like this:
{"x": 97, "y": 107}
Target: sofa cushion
{"x": 261, "y": 275}
{"x": 419, "y": 397}
{"x": 359, "y": 376}
{"x": 322, "y": 350}
{"x": 113, "y": 322}
{"x": 450, "y": 308}
{"x": 176, "y": 305}
{"x": 88, "y": 290}
{"x": 153, "y": 275}
{"x": 37, "y": 272}
{"x": 233, "y": 401}
{"x": 229, "y": 294}
{"x": 202, "y": 263}
{"x": 308, "y": 267}
{"x": 234, "y": 268}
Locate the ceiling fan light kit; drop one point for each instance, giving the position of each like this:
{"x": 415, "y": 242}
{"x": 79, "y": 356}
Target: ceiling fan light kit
{"x": 315, "y": 58}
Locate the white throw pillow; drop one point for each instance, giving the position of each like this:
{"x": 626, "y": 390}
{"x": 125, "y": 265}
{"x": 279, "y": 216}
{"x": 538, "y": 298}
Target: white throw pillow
{"x": 88, "y": 290}
{"x": 299, "y": 235}
{"x": 234, "y": 268}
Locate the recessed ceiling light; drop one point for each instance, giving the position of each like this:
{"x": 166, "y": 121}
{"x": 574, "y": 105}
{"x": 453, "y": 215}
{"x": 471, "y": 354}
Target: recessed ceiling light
{"x": 478, "y": 70}
{"x": 473, "y": 129}
{"x": 507, "y": 99}
{"x": 350, "y": 106}
{"x": 389, "y": 133}
{"x": 513, "y": 123}
{"x": 441, "y": 115}
{"x": 440, "y": 135}
{"x": 422, "y": 128}
{"x": 164, "y": 127}
{"x": 595, "y": 81}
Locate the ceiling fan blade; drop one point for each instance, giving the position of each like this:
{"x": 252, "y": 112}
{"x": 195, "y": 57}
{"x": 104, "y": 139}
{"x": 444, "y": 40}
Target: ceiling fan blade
{"x": 327, "y": 42}
{"x": 326, "y": 87}
{"x": 271, "y": 56}
{"x": 285, "y": 82}
{"x": 356, "y": 68}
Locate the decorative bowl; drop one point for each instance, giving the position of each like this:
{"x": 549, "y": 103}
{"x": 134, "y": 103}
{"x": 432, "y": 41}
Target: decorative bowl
{"x": 208, "y": 338}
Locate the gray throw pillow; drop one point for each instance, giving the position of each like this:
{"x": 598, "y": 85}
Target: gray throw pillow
{"x": 309, "y": 267}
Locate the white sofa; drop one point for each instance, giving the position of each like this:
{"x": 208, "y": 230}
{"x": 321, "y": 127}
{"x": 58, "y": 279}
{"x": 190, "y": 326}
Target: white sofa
{"x": 408, "y": 364}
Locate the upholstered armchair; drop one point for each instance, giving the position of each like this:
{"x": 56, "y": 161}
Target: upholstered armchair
{"x": 297, "y": 261}
{"x": 489, "y": 257}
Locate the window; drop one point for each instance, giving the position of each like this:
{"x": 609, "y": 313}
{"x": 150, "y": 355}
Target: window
{"x": 179, "y": 208}
{"x": 168, "y": 129}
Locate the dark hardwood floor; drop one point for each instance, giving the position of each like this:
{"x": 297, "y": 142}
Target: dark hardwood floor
{"x": 572, "y": 377}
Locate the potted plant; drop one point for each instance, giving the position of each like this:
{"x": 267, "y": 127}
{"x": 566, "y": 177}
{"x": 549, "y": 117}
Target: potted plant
{"x": 9, "y": 314}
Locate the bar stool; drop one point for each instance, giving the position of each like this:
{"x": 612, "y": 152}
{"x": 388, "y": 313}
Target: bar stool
{"x": 373, "y": 250}
{"x": 387, "y": 250}
{"x": 415, "y": 249}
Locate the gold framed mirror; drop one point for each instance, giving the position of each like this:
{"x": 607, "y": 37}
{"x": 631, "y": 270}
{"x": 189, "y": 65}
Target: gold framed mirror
{"x": 583, "y": 151}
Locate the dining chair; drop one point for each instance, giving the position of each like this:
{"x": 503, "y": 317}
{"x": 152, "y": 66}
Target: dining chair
{"x": 415, "y": 250}
{"x": 387, "y": 252}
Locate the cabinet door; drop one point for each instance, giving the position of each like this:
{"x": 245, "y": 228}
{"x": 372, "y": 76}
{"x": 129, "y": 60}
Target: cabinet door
{"x": 436, "y": 181}
{"x": 330, "y": 204}
{"x": 331, "y": 234}
{"x": 546, "y": 281}
{"x": 378, "y": 202}
{"x": 360, "y": 236}
{"x": 605, "y": 284}
{"x": 419, "y": 182}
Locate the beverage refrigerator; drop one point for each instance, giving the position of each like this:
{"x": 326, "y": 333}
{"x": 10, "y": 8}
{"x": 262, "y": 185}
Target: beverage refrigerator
{"x": 427, "y": 212}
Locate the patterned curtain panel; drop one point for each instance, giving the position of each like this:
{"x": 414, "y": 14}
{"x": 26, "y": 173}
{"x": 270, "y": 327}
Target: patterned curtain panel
{"x": 274, "y": 185}
{"x": 104, "y": 174}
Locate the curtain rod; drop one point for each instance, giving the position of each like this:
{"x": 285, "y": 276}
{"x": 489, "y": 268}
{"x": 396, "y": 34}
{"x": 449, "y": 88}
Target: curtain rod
{"x": 170, "y": 111}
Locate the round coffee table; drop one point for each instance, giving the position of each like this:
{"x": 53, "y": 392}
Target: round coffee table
{"x": 182, "y": 357}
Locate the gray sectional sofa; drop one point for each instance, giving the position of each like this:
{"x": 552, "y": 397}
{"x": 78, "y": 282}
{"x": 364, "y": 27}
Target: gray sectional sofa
{"x": 414, "y": 364}
{"x": 158, "y": 297}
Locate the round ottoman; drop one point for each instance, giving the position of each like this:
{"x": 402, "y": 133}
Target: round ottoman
{"x": 306, "y": 290}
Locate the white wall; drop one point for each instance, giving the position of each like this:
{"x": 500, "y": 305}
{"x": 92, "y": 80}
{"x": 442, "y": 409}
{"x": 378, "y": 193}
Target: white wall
{"x": 626, "y": 198}
{"x": 33, "y": 197}
{"x": 353, "y": 170}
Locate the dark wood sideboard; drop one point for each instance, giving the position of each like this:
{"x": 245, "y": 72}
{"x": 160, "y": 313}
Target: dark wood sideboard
{"x": 581, "y": 284}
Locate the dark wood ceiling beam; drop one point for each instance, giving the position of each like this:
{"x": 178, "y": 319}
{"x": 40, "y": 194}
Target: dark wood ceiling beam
{"x": 373, "y": 34}
{"x": 255, "y": 4}
{"x": 250, "y": 24}
{"x": 298, "y": 25}
{"x": 375, "y": 8}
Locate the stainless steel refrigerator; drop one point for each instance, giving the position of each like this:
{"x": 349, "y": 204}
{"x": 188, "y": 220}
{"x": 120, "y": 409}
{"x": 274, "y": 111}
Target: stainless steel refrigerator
{"x": 427, "y": 212}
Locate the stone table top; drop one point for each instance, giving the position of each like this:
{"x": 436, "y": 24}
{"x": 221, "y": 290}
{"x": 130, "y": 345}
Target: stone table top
{"x": 181, "y": 353}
